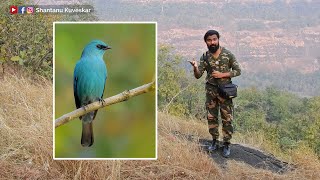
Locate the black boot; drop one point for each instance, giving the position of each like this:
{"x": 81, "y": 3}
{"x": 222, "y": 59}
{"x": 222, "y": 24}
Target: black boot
{"x": 226, "y": 149}
{"x": 213, "y": 146}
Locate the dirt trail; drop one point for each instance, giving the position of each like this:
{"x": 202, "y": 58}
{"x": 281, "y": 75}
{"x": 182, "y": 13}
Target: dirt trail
{"x": 248, "y": 155}
{"x": 241, "y": 153}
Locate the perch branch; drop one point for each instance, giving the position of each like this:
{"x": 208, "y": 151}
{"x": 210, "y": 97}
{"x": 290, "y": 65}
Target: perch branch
{"x": 107, "y": 102}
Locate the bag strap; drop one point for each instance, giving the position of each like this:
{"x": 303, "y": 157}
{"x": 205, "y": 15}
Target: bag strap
{"x": 208, "y": 67}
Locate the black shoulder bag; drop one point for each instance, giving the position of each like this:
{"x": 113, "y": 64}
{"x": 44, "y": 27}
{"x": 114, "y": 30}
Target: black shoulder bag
{"x": 227, "y": 91}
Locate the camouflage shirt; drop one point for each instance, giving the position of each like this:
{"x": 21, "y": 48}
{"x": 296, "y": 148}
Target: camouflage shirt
{"x": 226, "y": 62}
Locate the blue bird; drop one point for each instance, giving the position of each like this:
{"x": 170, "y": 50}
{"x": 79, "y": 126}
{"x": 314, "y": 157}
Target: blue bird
{"x": 89, "y": 80}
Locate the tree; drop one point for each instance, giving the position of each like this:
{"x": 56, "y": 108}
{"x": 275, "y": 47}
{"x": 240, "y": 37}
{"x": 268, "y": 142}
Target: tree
{"x": 171, "y": 76}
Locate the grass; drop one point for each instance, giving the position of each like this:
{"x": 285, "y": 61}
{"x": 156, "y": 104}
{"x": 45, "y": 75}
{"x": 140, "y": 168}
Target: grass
{"x": 26, "y": 145}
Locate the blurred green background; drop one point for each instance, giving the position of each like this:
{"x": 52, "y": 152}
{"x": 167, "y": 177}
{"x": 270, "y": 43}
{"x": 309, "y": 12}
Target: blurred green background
{"x": 123, "y": 130}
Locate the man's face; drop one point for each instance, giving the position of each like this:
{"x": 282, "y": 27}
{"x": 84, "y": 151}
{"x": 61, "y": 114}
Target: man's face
{"x": 212, "y": 43}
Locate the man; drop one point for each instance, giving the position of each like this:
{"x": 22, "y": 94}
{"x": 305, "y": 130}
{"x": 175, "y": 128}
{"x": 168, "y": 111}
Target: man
{"x": 222, "y": 67}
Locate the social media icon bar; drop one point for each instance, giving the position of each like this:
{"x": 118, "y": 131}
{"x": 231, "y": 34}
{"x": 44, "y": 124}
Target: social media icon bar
{"x": 22, "y": 9}
{"x": 13, "y": 9}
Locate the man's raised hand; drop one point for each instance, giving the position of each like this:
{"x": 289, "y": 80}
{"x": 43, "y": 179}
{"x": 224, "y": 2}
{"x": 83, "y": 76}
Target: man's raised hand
{"x": 193, "y": 63}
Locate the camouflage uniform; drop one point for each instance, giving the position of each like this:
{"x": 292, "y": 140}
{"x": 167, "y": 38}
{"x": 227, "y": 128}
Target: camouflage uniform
{"x": 226, "y": 62}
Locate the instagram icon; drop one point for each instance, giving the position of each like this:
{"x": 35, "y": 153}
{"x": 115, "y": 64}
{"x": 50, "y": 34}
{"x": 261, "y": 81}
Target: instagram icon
{"x": 29, "y": 10}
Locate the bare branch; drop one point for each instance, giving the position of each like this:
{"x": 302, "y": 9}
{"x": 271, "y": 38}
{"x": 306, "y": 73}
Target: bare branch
{"x": 108, "y": 101}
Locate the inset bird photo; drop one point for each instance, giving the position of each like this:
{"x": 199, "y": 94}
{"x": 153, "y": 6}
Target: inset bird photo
{"x": 104, "y": 90}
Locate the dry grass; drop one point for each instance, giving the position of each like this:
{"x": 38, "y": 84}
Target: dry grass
{"x": 26, "y": 146}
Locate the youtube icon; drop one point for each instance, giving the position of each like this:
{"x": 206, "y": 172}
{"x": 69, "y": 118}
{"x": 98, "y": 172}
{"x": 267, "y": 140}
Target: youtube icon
{"x": 13, "y": 9}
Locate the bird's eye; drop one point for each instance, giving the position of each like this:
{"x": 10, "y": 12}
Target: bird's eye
{"x": 99, "y": 46}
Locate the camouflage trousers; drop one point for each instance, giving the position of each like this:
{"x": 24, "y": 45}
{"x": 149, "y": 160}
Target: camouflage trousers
{"x": 214, "y": 103}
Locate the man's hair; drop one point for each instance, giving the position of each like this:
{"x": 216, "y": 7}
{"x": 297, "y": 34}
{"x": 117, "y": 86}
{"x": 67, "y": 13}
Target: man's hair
{"x": 210, "y": 33}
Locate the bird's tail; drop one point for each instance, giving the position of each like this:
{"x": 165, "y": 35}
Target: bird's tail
{"x": 87, "y": 134}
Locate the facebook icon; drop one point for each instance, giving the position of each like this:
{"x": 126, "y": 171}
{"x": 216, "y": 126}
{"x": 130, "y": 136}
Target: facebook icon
{"x": 22, "y": 9}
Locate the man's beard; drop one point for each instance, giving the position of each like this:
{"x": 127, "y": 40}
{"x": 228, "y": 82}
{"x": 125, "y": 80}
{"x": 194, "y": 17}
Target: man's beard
{"x": 213, "y": 48}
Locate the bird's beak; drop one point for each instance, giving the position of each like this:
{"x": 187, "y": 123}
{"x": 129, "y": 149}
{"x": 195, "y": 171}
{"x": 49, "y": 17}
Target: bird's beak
{"x": 106, "y": 48}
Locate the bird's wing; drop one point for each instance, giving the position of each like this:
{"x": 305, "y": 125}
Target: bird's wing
{"x": 76, "y": 97}
{"x": 104, "y": 86}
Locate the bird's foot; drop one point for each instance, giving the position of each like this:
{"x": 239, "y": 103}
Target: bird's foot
{"x": 84, "y": 108}
{"x": 102, "y": 101}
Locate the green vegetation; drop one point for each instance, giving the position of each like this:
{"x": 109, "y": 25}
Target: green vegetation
{"x": 20, "y": 45}
{"x": 285, "y": 119}
{"x": 178, "y": 92}
{"x": 26, "y": 40}
{"x": 304, "y": 85}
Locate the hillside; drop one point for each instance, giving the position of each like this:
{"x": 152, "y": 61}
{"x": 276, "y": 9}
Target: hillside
{"x": 238, "y": 165}
{"x": 276, "y": 35}
{"x": 26, "y": 141}
{"x": 275, "y": 41}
